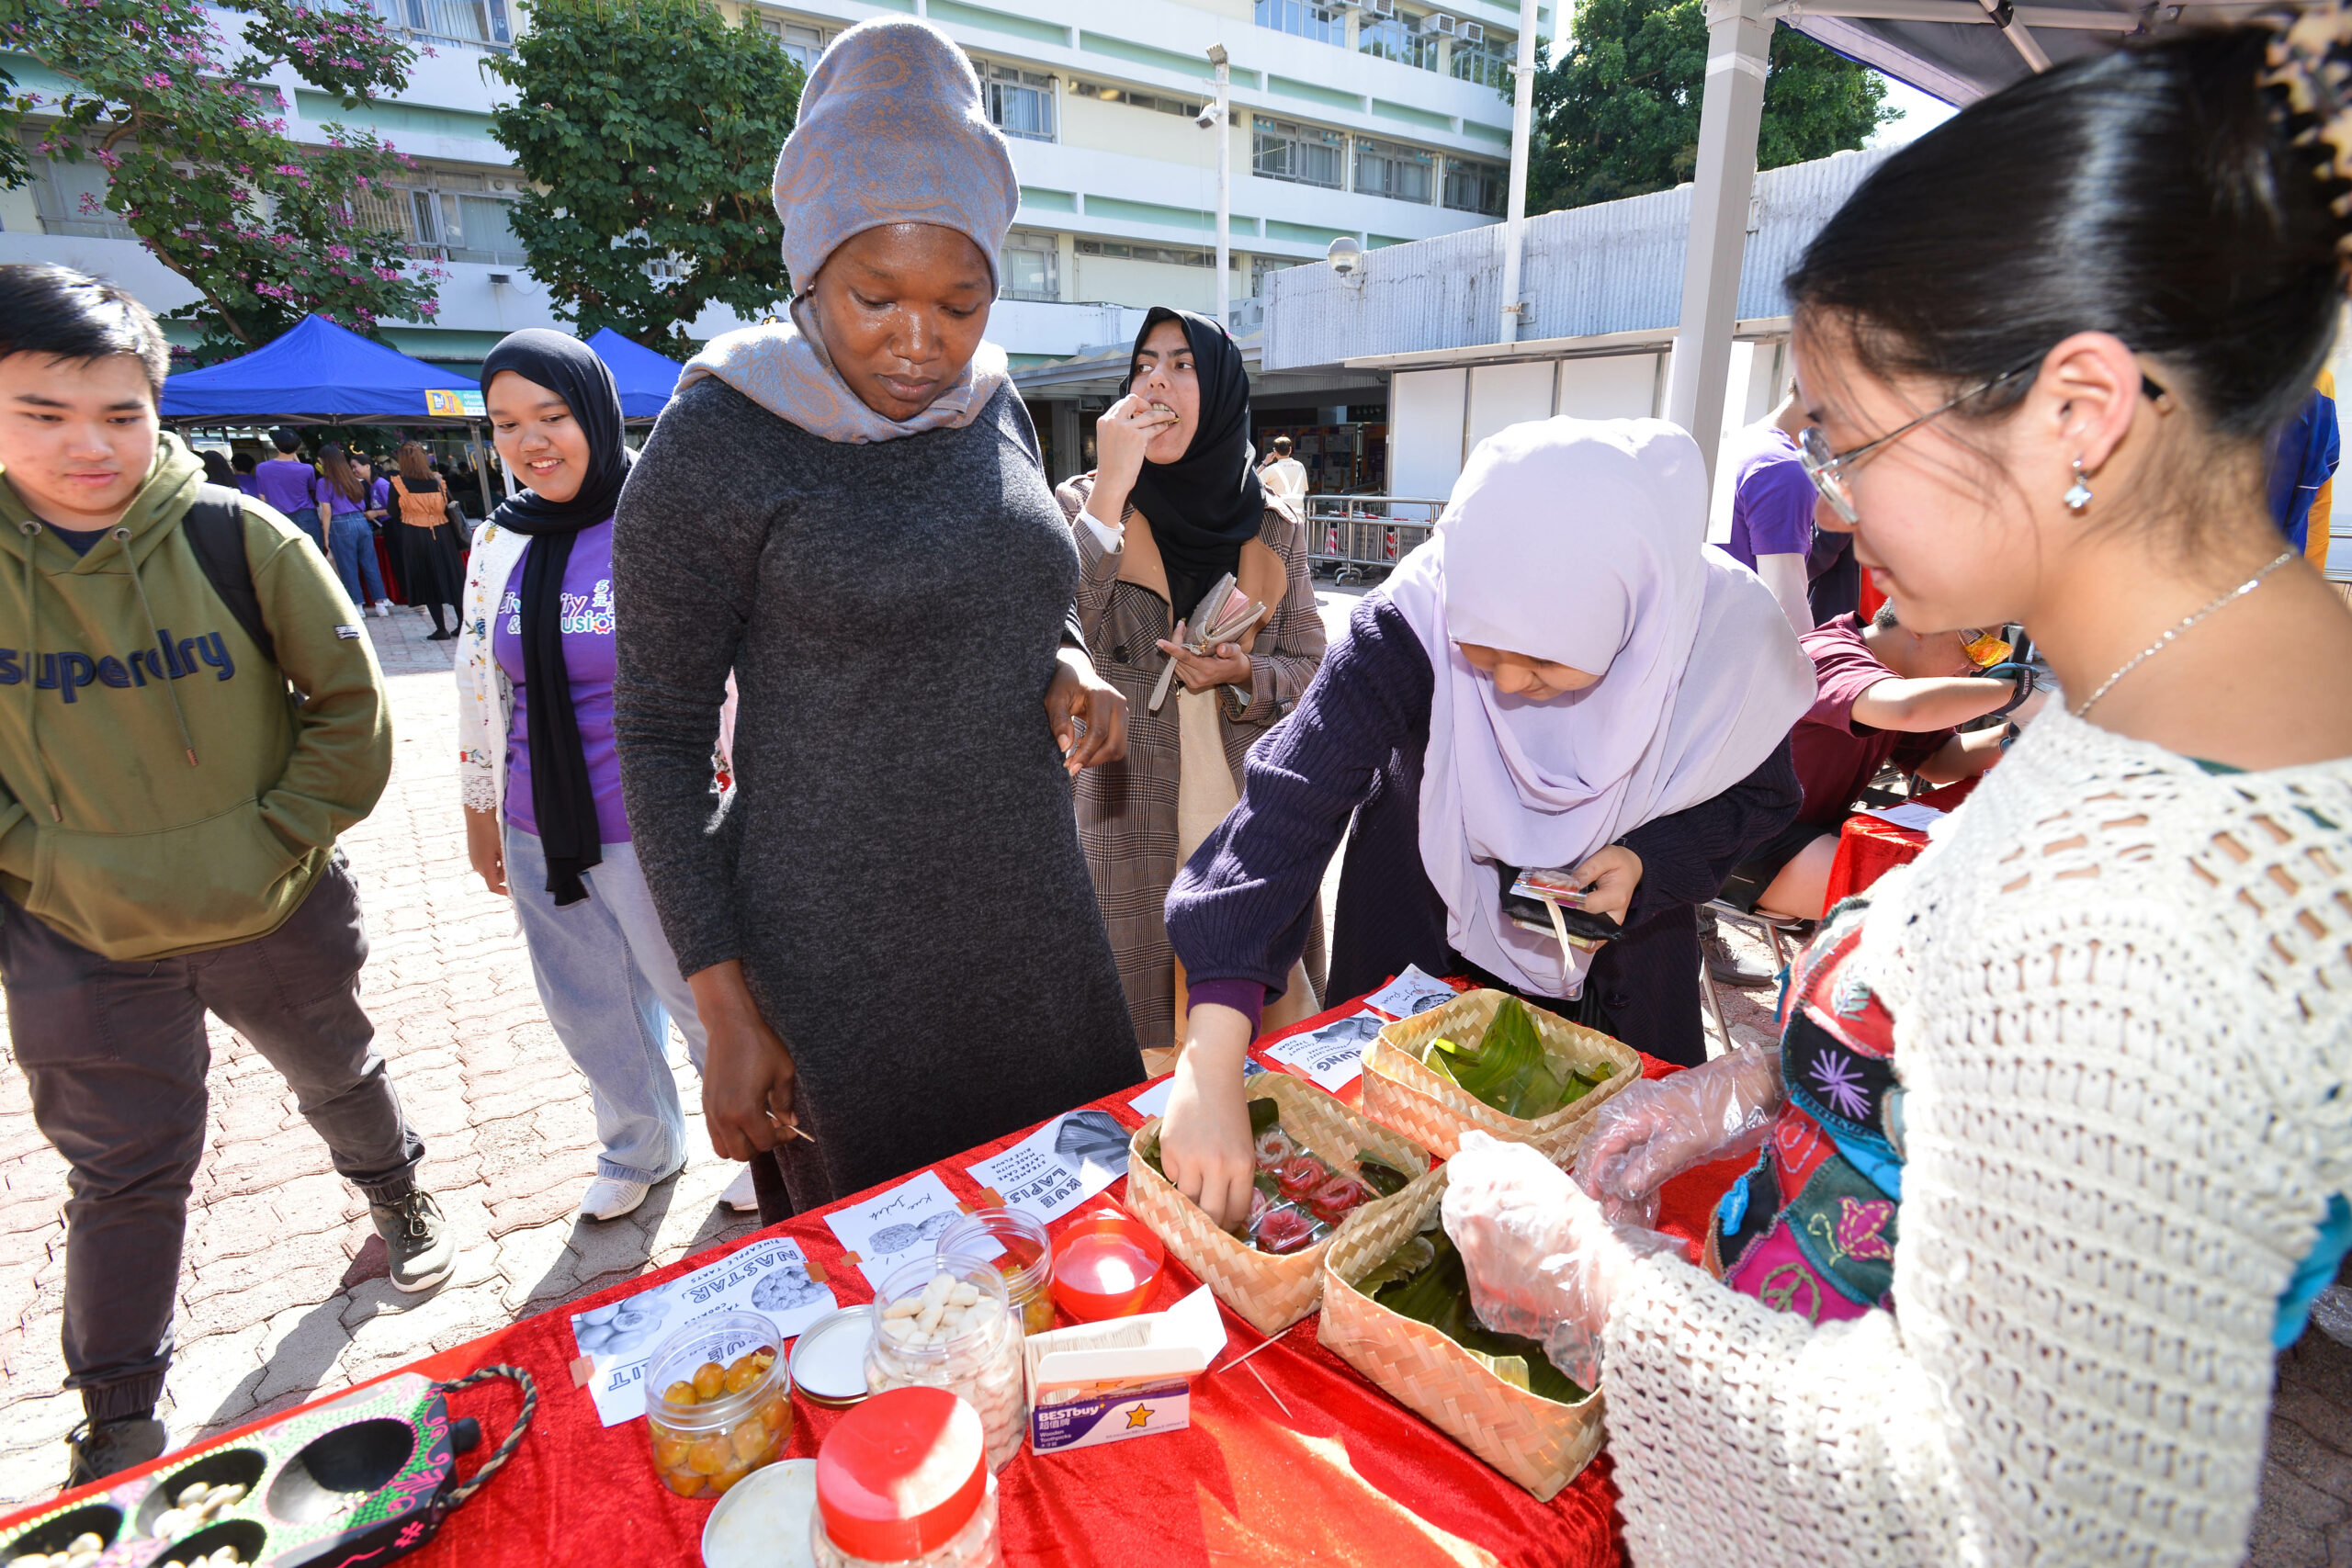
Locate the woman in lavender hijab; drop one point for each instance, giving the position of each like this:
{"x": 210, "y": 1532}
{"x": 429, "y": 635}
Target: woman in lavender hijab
{"x": 887, "y": 925}
{"x": 1566, "y": 675}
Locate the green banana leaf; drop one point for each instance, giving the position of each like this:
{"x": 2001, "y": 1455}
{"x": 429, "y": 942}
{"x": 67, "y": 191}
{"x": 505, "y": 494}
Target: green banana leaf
{"x": 1379, "y": 1175}
{"x": 1507, "y": 1069}
{"x": 1264, "y": 1114}
{"x": 1437, "y": 1291}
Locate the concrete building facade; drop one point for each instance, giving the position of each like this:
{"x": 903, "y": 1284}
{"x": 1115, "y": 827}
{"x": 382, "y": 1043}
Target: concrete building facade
{"x": 1381, "y": 119}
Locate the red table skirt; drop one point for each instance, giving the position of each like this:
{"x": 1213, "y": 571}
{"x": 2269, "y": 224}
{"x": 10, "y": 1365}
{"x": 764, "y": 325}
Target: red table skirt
{"x": 1346, "y": 1477}
{"x": 1869, "y": 847}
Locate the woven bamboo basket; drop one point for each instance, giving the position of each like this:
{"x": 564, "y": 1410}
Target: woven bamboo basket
{"x": 1538, "y": 1443}
{"x": 1269, "y": 1292}
{"x": 1434, "y": 1112}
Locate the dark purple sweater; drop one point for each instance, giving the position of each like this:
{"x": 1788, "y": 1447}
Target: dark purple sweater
{"x": 1352, "y": 750}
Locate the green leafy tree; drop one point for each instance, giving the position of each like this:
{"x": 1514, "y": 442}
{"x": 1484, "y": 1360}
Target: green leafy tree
{"x": 647, "y": 128}
{"x": 1617, "y": 113}
{"x": 198, "y": 162}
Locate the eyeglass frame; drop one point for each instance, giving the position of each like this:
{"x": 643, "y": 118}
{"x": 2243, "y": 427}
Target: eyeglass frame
{"x": 1827, "y": 468}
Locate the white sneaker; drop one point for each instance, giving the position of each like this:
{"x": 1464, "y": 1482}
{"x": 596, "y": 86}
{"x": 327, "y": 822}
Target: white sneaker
{"x": 383, "y": 609}
{"x": 738, "y": 1198}
{"x": 608, "y": 1198}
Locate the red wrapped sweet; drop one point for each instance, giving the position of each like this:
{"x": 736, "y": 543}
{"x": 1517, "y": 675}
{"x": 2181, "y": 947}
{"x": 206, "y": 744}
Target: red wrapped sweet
{"x": 1286, "y": 1228}
{"x": 1300, "y": 1175}
{"x": 1336, "y": 1199}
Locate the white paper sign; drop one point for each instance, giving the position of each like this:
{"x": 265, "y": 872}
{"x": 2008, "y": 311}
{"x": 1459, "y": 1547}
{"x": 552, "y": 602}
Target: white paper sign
{"x": 1911, "y": 813}
{"x": 1153, "y": 1101}
{"x": 1333, "y": 1054}
{"x": 770, "y": 1277}
{"x": 1059, "y": 1166}
{"x": 897, "y": 1227}
{"x": 1411, "y": 992}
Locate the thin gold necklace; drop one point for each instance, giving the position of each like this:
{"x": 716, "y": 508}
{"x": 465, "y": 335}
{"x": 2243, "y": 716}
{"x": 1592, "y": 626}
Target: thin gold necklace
{"x": 2240, "y": 591}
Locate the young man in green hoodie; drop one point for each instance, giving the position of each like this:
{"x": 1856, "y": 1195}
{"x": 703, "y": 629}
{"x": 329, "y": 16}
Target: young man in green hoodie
{"x": 190, "y": 715}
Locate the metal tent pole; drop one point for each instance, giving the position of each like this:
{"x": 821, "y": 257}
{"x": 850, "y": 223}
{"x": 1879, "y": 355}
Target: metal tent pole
{"x": 1522, "y": 120}
{"x": 1739, "y": 41}
{"x": 1224, "y": 185}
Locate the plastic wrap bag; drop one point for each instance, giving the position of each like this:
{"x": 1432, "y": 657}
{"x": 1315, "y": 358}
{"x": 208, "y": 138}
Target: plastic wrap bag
{"x": 1661, "y": 1127}
{"x": 1543, "y": 1261}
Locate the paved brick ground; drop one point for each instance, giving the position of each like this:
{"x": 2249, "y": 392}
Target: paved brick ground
{"x": 282, "y": 1285}
{"x": 282, "y": 1290}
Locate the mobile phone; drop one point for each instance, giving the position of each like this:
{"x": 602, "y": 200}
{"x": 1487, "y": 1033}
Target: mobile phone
{"x": 1521, "y": 900}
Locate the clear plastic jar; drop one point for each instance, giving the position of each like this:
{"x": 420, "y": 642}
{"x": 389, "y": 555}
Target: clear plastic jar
{"x": 974, "y": 1546}
{"x": 704, "y": 1445}
{"x": 920, "y": 1342}
{"x": 1021, "y": 1250}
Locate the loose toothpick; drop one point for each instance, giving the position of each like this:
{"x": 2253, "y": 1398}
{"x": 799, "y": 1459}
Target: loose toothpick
{"x": 1238, "y": 1359}
{"x": 1267, "y": 1386}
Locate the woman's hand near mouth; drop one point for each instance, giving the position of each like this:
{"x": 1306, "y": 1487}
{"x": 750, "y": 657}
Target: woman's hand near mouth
{"x": 1120, "y": 437}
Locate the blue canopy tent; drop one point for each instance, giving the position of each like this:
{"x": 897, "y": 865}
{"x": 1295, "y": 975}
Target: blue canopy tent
{"x": 319, "y": 373}
{"x": 648, "y": 380}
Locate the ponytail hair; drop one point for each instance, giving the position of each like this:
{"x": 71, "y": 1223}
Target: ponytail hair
{"x": 2184, "y": 194}
{"x": 336, "y": 466}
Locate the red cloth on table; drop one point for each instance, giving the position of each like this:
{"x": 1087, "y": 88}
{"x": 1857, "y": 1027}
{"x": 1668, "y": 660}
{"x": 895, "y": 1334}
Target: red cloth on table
{"x": 1347, "y": 1477}
{"x": 1869, "y": 847}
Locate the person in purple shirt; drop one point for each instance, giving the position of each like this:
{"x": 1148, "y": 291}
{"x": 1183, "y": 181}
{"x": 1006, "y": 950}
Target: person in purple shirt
{"x": 540, "y": 770}
{"x": 242, "y": 465}
{"x": 291, "y": 486}
{"x": 1812, "y": 571}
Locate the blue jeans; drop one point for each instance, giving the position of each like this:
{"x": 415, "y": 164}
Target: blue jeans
{"x": 355, "y": 558}
{"x": 611, "y": 985}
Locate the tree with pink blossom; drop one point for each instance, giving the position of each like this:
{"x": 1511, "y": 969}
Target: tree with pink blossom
{"x": 200, "y": 165}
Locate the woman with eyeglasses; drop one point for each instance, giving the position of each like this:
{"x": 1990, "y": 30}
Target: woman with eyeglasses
{"x": 1565, "y": 676}
{"x": 2057, "y": 1145}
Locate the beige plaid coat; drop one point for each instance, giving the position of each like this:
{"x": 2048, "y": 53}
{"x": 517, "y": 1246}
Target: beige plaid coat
{"x": 1126, "y": 812}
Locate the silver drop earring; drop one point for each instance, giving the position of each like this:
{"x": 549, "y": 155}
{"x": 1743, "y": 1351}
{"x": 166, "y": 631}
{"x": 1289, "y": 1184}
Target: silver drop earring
{"x": 2078, "y": 495}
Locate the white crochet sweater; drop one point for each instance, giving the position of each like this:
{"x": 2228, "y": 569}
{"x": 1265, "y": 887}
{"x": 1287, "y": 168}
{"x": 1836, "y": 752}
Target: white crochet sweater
{"x": 2123, "y": 1020}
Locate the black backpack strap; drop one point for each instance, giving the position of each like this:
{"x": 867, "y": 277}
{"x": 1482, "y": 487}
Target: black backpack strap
{"x": 215, "y": 527}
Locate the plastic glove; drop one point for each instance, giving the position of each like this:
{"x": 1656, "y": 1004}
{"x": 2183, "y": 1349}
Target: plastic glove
{"x": 1661, "y": 1127}
{"x": 1543, "y": 1261}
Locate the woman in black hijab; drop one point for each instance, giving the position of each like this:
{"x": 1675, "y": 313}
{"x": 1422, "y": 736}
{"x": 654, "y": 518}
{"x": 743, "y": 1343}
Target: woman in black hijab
{"x": 540, "y": 769}
{"x": 1175, "y": 506}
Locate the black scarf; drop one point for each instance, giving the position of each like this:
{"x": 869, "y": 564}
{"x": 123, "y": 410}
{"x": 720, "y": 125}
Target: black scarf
{"x": 1207, "y": 504}
{"x": 561, "y": 797}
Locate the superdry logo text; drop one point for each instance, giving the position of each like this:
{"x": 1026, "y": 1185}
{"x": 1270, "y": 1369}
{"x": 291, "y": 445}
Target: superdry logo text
{"x": 67, "y": 673}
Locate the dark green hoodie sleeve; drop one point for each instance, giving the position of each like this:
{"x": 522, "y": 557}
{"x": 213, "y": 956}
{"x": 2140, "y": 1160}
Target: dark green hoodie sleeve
{"x": 343, "y": 730}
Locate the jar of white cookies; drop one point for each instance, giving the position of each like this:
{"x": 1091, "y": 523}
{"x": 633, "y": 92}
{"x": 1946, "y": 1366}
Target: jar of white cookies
{"x": 948, "y": 1324}
{"x": 903, "y": 1482}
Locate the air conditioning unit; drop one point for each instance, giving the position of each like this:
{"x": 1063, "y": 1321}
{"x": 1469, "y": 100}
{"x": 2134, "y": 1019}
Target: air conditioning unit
{"x": 1473, "y": 33}
{"x": 1442, "y": 22}
{"x": 1381, "y": 7}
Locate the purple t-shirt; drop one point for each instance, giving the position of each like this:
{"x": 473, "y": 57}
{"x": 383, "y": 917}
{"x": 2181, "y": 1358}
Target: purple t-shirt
{"x": 380, "y": 494}
{"x": 1772, "y": 498}
{"x": 588, "y": 660}
{"x": 291, "y": 487}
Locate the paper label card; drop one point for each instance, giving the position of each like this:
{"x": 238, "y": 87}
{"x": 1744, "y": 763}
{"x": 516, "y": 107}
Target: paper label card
{"x": 1411, "y": 992}
{"x": 1332, "y": 1055}
{"x": 618, "y": 1339}
{"x": 897, "y": 1228}
{"x": 1912, "y": 814}
{"x": 1153, "y": 1101}
{"x": 1059, "y": 1166}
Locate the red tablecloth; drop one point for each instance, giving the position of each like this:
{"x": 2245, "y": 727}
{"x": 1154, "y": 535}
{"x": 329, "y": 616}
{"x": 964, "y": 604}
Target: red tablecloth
{"x": 1346, "y": 1477}
{"x": 1869, "y": 847}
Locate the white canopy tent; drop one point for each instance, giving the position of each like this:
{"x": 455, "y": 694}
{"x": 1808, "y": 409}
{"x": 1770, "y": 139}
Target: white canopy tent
{"x": 1958, "y": 50}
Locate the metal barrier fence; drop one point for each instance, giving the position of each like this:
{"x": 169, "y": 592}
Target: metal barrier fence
{"x": 1356, "y": 536}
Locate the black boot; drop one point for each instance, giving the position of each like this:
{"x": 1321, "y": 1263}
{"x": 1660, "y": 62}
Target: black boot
{"x": 439, "y": 633}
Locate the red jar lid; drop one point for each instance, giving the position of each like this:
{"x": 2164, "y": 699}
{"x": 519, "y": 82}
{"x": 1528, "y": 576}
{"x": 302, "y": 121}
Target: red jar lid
{"x": 902, "y": 1473}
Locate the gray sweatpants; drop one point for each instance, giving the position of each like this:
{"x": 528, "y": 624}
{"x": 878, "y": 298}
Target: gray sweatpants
{"x": 116, "y": 1056}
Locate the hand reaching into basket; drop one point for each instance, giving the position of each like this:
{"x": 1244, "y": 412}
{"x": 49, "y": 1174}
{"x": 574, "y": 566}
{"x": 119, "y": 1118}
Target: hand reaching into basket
{"x": 1659, "y": 1128}
{"x": 1543, "y": 1261}
{"x": 1205, "y": 1145}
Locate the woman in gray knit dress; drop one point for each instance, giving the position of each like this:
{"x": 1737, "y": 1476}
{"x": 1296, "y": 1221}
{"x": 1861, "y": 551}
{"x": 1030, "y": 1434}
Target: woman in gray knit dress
{"x": 890, "y": 934}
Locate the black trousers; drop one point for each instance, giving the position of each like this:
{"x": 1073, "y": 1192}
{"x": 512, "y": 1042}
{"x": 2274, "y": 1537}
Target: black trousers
{"x": 116, "y": 1056}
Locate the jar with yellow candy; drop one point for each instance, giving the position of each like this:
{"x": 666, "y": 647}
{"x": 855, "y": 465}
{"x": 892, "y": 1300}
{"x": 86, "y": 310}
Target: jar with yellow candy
{"x": 718, "y": 1404}
{"x": 1023, "y": 1251}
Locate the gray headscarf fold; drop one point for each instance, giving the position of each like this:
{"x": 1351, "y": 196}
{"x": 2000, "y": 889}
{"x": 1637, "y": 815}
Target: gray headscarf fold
{"x": 892, "y": 129}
